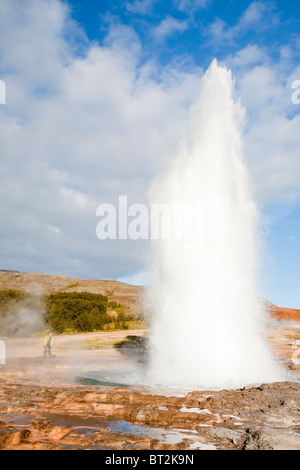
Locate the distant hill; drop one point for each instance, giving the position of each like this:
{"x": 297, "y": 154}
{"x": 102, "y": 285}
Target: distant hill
{"x": 281, "y": 313}
{"x": 127, "y": 295}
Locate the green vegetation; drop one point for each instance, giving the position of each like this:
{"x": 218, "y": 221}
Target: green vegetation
{"x": 123, "y": 320}
{"x": 7, "y": 296}
{"x": 23, "y": 314}
{"x": 114, "y": 305}
{"x": 70, "y": 286}
{"x": 77, "y": 311}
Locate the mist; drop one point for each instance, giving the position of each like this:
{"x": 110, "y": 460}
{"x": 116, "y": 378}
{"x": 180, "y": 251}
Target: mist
{"x": 23, "y": 317}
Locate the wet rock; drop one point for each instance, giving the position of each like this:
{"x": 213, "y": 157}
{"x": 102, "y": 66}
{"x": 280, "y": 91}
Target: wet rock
{"x": 271, "y": 439}
{"x": 86, "y": 417}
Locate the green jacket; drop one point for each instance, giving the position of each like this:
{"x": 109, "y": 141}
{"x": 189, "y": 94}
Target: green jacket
{"x": 48, "y": 341}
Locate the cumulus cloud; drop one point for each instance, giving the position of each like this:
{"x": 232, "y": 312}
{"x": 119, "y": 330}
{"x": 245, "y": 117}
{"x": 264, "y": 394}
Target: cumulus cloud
{"x": 85, "y": 123}
{"x": 141, "y": 7}
{"x": 271, "y": 140}
{"x": 78, "y": 130}
{"x": 145, "y": 7}
{"x": 190, "y": 6}
{"x": 250, "y": 56}
{"x": 257, "y": 16}
{"x": 168, "y": 27}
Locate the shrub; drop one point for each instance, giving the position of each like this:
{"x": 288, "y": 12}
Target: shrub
{"x": 79, "y": 311}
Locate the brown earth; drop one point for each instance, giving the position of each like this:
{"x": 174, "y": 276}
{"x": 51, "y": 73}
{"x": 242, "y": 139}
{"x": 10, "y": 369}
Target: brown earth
{"x": 124, "y": 294}
{"x": 286, "y": 314}
{"x": 42, "y": 408}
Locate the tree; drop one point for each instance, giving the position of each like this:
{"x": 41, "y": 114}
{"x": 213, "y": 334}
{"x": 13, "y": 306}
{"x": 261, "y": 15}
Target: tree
{"x": 79, "y": 311}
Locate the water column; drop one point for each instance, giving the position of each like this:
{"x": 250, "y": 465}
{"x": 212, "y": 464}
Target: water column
{"x": 207, "y": 322}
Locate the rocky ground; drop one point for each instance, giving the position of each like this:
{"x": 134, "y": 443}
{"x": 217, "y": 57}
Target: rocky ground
{"x": 41, "y": 407}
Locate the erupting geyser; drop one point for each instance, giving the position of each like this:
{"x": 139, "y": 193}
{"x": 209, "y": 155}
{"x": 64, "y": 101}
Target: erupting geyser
{"x": 207, "y": 328}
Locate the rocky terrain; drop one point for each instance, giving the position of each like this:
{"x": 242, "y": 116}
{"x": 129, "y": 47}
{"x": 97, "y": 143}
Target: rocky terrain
{"x": 42, "y": 405}
{"x": 81, "y": 417}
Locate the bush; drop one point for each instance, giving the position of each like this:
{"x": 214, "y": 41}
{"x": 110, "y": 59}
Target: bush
{"x": 22, "y": 314}
{"x": 78, "y": 311}
{"x": 9, "y": 295}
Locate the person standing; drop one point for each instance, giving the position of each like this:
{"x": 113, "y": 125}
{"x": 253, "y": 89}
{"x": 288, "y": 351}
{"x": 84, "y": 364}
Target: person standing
{"x": 48, "y": 343}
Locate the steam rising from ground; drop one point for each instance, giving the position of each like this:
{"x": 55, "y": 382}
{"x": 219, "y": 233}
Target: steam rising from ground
{"x": 208, "y": 323}
{"x": 24, "y": 317}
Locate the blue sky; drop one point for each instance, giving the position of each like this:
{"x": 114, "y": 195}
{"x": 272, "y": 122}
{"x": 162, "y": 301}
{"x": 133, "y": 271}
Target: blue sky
{"x": 98, "y": 93}
{"x": 196, "y": 29}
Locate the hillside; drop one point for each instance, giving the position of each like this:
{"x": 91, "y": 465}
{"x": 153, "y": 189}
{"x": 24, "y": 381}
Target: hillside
{"x": 127, "y": 295}
{"x": 281, "y": 313}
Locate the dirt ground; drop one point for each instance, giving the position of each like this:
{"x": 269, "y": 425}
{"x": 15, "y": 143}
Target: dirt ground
{"x": 43, "y": 407}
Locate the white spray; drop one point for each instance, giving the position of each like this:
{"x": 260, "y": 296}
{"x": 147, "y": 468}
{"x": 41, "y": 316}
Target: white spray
{"x": 207, "y": 326}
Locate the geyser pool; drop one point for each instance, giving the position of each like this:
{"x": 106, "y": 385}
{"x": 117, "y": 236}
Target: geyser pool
{"x": 208, "y": 324}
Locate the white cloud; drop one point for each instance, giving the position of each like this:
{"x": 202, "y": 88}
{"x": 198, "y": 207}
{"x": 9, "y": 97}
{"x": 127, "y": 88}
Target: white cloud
{"x": 167, "y": 27}
{"x": 249, "y": 56}
{"x": 189, "y": 6}
{"x": 77, "y": 131}
{"x": 271, "y": 137}
{"x": 145, "y": 7}
{"x": 257, "y": 17}
{"x": 252, "y": 15}
{"x": 141, "y": 7}
{"x": 80, "y": 130}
